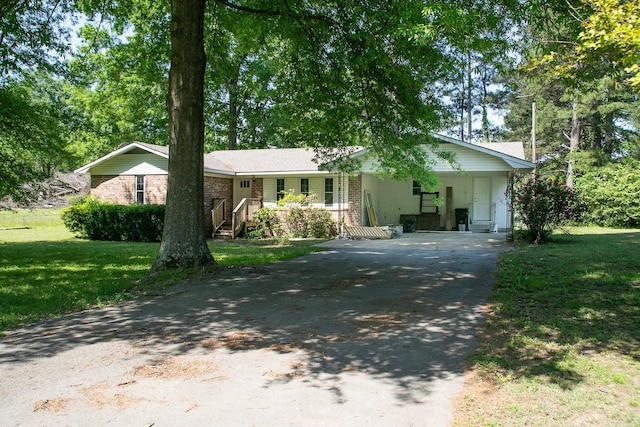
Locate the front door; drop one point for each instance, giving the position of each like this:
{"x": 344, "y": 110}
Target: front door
{"x": 243, "y": 190}
{"x": 481, "y": 199}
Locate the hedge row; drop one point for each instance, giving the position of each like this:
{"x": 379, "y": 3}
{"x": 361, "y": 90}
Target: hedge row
{"x": 612, "y": 195}
{"x": 104, "y": 221}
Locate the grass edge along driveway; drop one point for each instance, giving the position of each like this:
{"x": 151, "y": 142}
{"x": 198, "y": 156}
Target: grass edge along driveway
{"x": 46, "y": 272}
{"x": 561, "y": 345}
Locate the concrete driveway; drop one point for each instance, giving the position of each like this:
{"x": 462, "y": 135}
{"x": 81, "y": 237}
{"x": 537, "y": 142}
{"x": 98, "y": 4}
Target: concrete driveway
{"x": 363, "y": 333}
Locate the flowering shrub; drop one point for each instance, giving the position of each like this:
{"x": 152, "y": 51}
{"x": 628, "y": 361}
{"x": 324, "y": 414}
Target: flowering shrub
{"x": 543, "y": 205}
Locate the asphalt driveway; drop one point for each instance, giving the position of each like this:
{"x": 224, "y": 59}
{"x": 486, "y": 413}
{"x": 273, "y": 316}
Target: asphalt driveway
{"x": 362, "y": 333}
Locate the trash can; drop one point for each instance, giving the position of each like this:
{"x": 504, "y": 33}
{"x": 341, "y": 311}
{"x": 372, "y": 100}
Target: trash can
{"x": 462, "y": 218}
{"x": 409, "y": 225}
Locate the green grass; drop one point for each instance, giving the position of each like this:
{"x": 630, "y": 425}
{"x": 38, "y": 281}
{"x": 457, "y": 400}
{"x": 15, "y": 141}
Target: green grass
{"x": 45, "y": 271}
{"x": 562, "y": 345}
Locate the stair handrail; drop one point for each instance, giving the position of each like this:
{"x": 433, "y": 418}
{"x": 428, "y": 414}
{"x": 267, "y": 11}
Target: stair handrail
{"x": 243, "y": 213}
{"x": 218, "y": 214}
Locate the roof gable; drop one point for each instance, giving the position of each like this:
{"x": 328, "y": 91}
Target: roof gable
{"x": 512, "y": 153}
{"x": 132, "y": 148}
{"x": 501, "y": 156}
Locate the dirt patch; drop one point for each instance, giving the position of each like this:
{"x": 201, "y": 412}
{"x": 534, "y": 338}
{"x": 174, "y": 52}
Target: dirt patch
{"x": 56, "y": 406}
{"x": 239, "y": 340}
{"x": 372, "y": 325}
{"x": 476, "y": 402}
{"x": 297, "y": 371}
{"x": 99, "y": 396}
{"x": 175, "y": 367}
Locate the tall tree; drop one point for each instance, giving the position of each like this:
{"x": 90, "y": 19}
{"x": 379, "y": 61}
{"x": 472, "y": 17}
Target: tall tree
{"x": 183, "y": 242}
{"x": 356, "y": 78}
{"x": 33, "y": 126}
{"x": 32, "y": 34}
{"x": 118, "y": 83}
{"x": 612, "y": 32}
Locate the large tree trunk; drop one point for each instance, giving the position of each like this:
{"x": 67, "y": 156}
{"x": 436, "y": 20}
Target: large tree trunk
{"x": 184, "y": 244}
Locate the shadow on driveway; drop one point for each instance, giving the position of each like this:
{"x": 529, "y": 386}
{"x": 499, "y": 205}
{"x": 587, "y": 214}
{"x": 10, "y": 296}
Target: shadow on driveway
{"x": 362, "y": 332}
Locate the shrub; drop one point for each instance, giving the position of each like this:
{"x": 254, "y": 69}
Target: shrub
{"x": 612, "y": 195}
{"x": 104, "y": 221}
{"x": 294, "y": 221}
{"x": 291, "y": 199}
{"x": 320, "y": 224}
{"x": 544, "y": 205}
{"x": 267, "y": 223}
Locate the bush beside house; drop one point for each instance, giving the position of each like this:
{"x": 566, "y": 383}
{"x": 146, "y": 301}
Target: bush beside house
{"x": 95, "y": 220}
{"x": 295, "y": 218}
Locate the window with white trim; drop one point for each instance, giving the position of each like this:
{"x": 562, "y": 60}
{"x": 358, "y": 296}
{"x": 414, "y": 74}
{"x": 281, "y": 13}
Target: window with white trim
{"x": 245, "y": 183}
{"x": 304, "y": 186}
{"x": 140, "y": 189}
{"x": 279, "y": 188}
{"x": 416, "y": 188}
{"x": 328, "y": 191}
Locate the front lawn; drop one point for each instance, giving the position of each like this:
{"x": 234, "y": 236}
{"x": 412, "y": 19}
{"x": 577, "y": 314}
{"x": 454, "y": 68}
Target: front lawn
{"x": 45, "y": 271}
{"x": 561, "y": 345}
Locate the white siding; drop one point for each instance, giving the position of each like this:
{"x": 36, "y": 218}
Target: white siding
{"x": 469, "y": 161}
{"x": 472, "y": 161}
{"x": 316, "y": 186}
{"x": 269, "y": 190}
{"x": 395, "y": 198}
{"x": 132, "y": 164}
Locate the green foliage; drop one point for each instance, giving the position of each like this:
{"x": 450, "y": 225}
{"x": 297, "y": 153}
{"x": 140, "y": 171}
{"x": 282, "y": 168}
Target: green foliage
{"x": 119, "y": 83}
{"x": 32, "y": 34}
{"x": 290, "y": 198}
{"x": 104, "y": 221}
{"x": 45, "y": 272}
{"x": 612, "y": 32}
{"x": 543, "y": 205}
{"x": 320, "y": 224}
{"x": 295, "y": 221}
{"x": 268, "y": 223}
{"x": 32, "y": 133}
{"x": 612, "y": 194}
{"x": 564, "y": 327}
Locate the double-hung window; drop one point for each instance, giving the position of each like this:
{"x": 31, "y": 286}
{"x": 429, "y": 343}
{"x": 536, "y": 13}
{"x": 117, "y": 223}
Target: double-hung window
{"x": 328, "y": 191}
{"x": 279, "y": 188}
{"x": 304, "y": 186}
{"x": 416, "y": 188}
{"x": 140, "y": 189}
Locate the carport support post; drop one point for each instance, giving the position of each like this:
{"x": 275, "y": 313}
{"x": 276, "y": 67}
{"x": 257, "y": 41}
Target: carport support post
{"x": 449, "y": 206}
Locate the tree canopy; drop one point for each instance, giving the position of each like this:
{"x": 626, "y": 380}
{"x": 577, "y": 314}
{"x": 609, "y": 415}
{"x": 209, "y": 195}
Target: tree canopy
{"x": 325, "y": 75}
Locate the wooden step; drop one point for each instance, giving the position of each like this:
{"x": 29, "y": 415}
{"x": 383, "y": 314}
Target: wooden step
{"x": 224, "y": 231}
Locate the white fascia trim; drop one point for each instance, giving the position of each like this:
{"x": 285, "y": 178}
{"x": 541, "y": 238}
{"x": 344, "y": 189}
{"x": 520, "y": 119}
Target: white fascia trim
{"x": 258, "y": 174}
{"x": 86, "y": 168}
{"x": 226, "y": 173}
{"x": 514, "y": 162}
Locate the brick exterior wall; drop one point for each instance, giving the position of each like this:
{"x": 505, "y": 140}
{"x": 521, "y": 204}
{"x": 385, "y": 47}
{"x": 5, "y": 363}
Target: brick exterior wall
{"x": 121, "y": 189}
{"x": 217, "y": 188}
{"x": 155, "y": 189}
{"x": 354, "y": 213}
{"x": 258, "y": 188}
